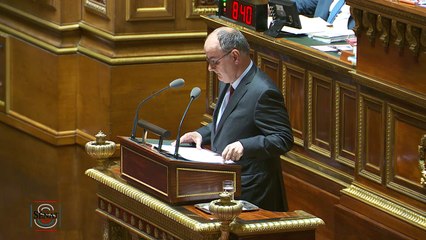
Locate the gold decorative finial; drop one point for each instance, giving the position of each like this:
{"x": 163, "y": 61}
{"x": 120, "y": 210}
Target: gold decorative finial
{"x": 422, "y": 160}
{"x": 226, "y": 210}
{"x": 101, "y": 150}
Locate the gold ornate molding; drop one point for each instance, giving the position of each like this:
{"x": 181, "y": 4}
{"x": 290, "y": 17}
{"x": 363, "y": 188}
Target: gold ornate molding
{"x": 422, "y": 160}
{"x": 398, "y": 30}
{"x": 194, "y": 8}
{"x": 308, "y": 223}
{"x": 371, "y": 21}
{"x": 413, "y": 39}
{"x": 384, "y": 25}
{"x": 407, "y": 27}
{"x": 311, "y": 113}
{"x": 357, "y": 15}
{"x": 338, "y": 119}
{"x": 363, "y": 103}
{"x": 164, "y": 11}
{"x": 393, "y": 208}
{"x": 150, "y": 202}
{"x": 304, "y": 222}
{"x": 318, "y": 168}
{"x": 98, "y": 7}
{"x": 390, "y": 89}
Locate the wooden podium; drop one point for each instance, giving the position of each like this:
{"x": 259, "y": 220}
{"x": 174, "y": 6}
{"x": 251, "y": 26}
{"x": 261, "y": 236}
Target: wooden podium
{"x": 174, "y": 181}
{"x": 130, "y": 213}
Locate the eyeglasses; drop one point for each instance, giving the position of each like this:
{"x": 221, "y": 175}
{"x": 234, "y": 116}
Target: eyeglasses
{"x": 214, "y": 62}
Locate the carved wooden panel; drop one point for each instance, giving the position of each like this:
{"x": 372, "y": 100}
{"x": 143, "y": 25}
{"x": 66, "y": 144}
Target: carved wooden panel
{"x": 271, "y": 66}
{"x": 345, "y": 130}
{"x": 97, "y": 6}
{"x": 194, "y": 8}
{"x": 295, "y": 95}
{"x": 405, "y": 129}
{"x": 371, "y": 136}
{"x": 213, "y": 91}
{"x": 3, "y": 66}
{"x": 320, "y": 113}
{"x": 139, "y": 10}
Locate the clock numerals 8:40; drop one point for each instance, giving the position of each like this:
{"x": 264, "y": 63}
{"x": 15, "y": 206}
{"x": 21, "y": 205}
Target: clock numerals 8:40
{"x": 242, "y": 12}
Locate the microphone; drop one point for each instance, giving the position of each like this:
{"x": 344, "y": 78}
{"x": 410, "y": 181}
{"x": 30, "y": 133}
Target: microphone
{"x": 195, "y": 92}
{"x": 173, "y": 84}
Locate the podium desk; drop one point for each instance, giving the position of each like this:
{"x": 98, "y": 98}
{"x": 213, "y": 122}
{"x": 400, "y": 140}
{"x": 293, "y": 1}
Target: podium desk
{"x": 132, "y": 214}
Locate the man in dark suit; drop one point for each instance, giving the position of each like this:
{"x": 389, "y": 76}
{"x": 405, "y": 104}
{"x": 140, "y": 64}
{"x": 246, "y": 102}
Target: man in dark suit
{"x": 250, "y": 124}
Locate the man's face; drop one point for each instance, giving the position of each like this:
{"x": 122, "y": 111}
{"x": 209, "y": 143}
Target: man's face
{"x": 219, "y": 62}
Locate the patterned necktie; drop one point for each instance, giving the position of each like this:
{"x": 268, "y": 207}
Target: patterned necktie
{"x": 336, "y": 9}
{"x": 231, "y": 91}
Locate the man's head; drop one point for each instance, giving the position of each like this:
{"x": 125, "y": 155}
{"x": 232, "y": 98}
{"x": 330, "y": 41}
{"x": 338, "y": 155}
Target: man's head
{"x": 228, "y": 53}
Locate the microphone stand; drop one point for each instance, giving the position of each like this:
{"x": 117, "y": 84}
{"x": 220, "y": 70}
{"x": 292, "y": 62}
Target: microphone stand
{"x": 194, "y": 94}
{"x": 135, "y": 120}
{"x": 174, "y": 84}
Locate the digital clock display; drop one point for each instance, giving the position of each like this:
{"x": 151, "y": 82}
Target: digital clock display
{"x": 250, "y": 13}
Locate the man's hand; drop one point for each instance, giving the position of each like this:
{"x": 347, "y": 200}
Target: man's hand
{"x": 191, "y": 137}
{"x": 233, "y": 151}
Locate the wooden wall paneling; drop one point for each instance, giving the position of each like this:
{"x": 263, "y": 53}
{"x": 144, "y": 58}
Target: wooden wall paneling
{"x": 320, "y": 114}
{"x": 351, "y": 225}
{"x": 139, "y": 10}
{"x": 99, "y": 7}
{"x": 406, "y": 127}
{"x": 376, "y": 217}
{"x": 313, "y": 194}
{"x": 271, "y": 66}
{"x": 42, "y": 95}
{"x": 38, "y": 170}
{"x": 3, "y": 68}
{"x": 295, "y": 80}
{"x": 59, "y": 34}
{"x": 371, "y": 138}
{"x": 131, "y": 84}
{"x": 391, "y": 42}
{"x": 94, "y": 97}
{"x": 346, "y": 125}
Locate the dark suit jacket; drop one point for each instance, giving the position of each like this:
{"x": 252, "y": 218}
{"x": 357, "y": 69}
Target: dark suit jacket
{"x": 255, "y": 116}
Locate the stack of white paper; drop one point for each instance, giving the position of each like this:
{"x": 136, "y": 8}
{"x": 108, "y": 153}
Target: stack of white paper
{"x": 309, "y": 26}
{"x": 333, "y": 35}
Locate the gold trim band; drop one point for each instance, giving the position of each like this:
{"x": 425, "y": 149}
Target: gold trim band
{"x": 386, "y": 205}
{"x": 37, "y": 42}
{"x": 68, "y": 27}
{"x": 148, "y": 59}
{"x": 305, "y": 222}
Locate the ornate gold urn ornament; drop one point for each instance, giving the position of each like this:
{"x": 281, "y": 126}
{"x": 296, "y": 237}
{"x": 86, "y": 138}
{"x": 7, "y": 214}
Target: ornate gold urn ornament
{"x": 226, "y": 210}
{"x": 101, "y": 150}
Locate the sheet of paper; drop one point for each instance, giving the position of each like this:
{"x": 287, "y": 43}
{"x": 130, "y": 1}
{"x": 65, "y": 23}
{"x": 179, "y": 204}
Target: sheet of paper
{"x": 334, "y": 48}
{"x": 195, "y": 155}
